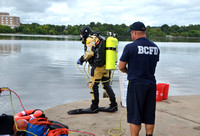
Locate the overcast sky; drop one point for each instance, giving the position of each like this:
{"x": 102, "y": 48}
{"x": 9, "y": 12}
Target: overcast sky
{"x": 75, "y": 12}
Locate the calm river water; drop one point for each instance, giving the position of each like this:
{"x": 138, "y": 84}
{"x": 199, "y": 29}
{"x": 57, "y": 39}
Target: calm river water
{"x": 44, "y": 73}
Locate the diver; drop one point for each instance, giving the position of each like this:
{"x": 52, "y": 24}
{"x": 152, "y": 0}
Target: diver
{"x": 94, "y": 46}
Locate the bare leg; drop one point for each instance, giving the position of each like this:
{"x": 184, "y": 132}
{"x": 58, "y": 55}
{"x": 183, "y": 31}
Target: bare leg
{"x": 135, "y": 129}
{"x": 149, "y": 129}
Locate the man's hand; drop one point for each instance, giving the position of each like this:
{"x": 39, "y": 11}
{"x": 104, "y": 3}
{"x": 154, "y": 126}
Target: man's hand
{"x": 122, "y": 67}
{"x": 81, "y": 60}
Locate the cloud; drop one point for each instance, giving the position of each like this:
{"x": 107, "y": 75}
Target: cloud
{"x": 64, "y": 12}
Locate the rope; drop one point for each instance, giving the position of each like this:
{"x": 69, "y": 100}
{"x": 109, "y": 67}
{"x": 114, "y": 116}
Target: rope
{"x": 7, "y": 89}
{"x": 88, "y": 76}
{"x": 14, "y": 113}
{"x": 82, "y": 72}
{"x": 120, "y": 130}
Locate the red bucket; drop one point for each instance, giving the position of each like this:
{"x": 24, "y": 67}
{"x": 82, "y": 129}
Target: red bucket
{"x": 159, "y": 92}
{"x": 165, "y": 90}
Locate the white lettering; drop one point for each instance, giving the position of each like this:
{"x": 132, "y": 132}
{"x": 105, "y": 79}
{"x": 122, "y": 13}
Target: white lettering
{"x": 151, "y": 50}
{"x": 155, "y": 51}
{"x": 140, "y": 50}
{"x": 147, "y": 50}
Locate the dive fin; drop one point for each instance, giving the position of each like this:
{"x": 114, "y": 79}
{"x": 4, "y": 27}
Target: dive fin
{"x": 82, "y": 111}
{"x": 108, "y": 109}
{"x": 102, "y": 108}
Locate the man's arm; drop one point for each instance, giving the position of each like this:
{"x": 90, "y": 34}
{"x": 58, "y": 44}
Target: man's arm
{"x": 122, "y": 67}
{"x": 90, "y": 43}
{"x": 89, "y": 54}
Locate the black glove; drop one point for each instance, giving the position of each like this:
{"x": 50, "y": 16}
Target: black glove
{"x": 81, "y": 60}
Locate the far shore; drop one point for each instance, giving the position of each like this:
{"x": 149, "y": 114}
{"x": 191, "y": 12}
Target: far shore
{"x": 167, "y": 38}
{"x": 36, "y": 35}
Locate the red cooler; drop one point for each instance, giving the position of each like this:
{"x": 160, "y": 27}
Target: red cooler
{"x": 159, "y": 92}
{"x": 165, "y": 90}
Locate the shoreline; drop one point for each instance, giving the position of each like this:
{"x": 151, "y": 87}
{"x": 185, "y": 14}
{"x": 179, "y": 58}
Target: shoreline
{"x": 179, "y": 115}
{"x": 38, "y": 35}
{"x": 77, "y": 37}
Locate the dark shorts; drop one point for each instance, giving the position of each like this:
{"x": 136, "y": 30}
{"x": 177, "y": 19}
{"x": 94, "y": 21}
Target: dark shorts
{"x": 141, "y": 103}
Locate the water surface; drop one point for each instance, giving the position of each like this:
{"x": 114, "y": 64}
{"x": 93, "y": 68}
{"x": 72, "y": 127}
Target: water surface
{"x": 44, "y": 73}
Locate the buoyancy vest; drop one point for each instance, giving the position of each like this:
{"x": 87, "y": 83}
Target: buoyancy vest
{"x": 95, "y": 53}
{"x": 100, "y": 52}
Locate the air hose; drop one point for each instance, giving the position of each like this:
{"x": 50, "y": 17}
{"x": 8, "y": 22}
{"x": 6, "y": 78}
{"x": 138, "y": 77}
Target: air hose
{"x": 120, "y": 130}
{"x": 87, "y": 77}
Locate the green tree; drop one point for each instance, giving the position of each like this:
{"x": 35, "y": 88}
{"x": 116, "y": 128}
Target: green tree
{"x": 14, "y": 30}
{"x": 121, "y": 30}
{"x": 184, "y": 34}
{"x": 156, "y": 32}
{"x": 27, "y": 30}
{"x": 5, "y": 29}
{"x": 51, "y": 32}
{"x": 165, "y": 28}
{"x": 194, "y": 33}
{"x": 174, "y": 29}
{"x": 92, "y": 24}
{"x": 148, "y": 32}
{"x": 41, "y": 30}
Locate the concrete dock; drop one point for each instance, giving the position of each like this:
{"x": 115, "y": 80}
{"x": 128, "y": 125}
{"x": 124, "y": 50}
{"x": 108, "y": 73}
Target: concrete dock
{"x": 177, "y": 116}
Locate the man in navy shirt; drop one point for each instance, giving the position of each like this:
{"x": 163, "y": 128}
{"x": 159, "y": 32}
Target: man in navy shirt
{"x": 139, "y": 60}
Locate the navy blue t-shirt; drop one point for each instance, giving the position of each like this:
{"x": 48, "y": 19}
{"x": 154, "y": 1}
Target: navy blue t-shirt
{"x": 142, "y": 56}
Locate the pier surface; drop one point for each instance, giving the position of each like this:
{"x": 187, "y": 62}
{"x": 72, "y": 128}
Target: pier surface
{"x": 177, "y": 116}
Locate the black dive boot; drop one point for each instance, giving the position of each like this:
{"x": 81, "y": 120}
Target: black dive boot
{"x": 111, "y": 108}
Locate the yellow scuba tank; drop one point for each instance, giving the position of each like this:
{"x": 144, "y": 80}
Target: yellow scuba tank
{"x": 111, "y": 52}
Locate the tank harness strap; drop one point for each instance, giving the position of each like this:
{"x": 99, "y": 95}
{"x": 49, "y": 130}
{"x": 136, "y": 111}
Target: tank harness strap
{"x": 97, "y": 42}
{"x": 111, "y": 48}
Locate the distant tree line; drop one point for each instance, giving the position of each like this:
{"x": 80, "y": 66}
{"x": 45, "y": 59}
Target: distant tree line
{"x": 35, "y": 28}
{"x": 121, "y": 30}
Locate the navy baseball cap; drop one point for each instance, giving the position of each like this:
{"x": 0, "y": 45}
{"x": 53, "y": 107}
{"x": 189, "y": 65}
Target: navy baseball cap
{"x": 137, "y": 26}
